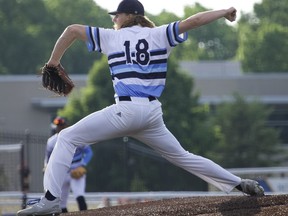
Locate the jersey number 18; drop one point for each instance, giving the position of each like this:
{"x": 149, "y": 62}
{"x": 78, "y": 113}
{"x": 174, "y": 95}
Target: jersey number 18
{"x": 142, "y": 54}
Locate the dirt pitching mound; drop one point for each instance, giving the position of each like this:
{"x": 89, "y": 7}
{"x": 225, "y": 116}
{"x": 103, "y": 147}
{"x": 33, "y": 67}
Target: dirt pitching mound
{"x": 269, "y": 205}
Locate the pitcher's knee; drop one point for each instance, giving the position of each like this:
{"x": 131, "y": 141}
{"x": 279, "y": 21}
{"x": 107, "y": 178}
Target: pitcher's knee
{"x": 66, "y": 137}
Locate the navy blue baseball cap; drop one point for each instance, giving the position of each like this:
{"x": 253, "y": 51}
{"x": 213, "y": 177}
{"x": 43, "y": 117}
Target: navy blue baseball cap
{"x": 129, "y": 7}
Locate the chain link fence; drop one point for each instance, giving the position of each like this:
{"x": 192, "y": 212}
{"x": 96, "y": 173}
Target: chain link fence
{"x": 24, "y": 163}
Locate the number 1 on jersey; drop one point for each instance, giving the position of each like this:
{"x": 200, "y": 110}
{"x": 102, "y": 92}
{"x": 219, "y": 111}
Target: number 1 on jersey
{"x": 127, "y": 52}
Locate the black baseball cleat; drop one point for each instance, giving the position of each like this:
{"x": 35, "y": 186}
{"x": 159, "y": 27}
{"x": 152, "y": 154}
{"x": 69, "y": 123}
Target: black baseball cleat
{"x": 44, "y": 208}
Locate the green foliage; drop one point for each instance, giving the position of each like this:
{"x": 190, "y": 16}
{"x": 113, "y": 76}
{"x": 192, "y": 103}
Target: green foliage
{"x": 273, "y": 11}
{"x": 263, "y": 38}
{"x": 243, "y": 137}
{"x": 30, "y": 28}
{"x": 216, "y": 41}
{"x": 163, "y": 18}
{"x": 266, "y": 51}
{"x": 73, "y": 111}
{"x": 20, "y": 29}
{"x": 77, "y": 59}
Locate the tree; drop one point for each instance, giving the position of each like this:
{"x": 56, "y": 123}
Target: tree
{"x": 243, "y": 137}
{"x": 77, "y": 59}
{"x": 20, "y": 30}
{"x": 274, "y": 11}
{"x": 266, "y": 51}
{"x": 30, "y": 28}
{"x": 263, "y": 38}
{"x": 216, "y": 41}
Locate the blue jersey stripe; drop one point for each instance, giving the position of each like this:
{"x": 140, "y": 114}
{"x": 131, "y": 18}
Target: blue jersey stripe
{"x": 138, "y": 90}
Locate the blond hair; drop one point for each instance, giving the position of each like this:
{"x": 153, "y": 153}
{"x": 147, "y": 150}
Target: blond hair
{"x": 136, "y": 20}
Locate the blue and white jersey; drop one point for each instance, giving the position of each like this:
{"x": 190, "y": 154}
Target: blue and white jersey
{"x": 137, "y": 56}
{"x": 82, "y": 155}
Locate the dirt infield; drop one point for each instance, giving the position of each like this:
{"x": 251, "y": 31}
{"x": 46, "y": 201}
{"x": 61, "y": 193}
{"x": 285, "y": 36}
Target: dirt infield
{"x": 269, "y": 205}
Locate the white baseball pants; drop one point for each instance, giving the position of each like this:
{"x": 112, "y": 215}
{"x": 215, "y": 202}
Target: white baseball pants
{"x": 141, "y": 120}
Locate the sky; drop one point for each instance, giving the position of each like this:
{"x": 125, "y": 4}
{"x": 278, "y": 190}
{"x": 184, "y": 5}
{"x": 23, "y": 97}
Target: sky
{"x": 177, "y": 6}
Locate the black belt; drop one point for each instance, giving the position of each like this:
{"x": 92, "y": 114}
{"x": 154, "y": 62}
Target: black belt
{"x": 128, "y": 98}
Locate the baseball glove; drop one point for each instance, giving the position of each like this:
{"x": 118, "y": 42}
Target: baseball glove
{"x": 55, "y": 78}
{"x": 78, "y": 172}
